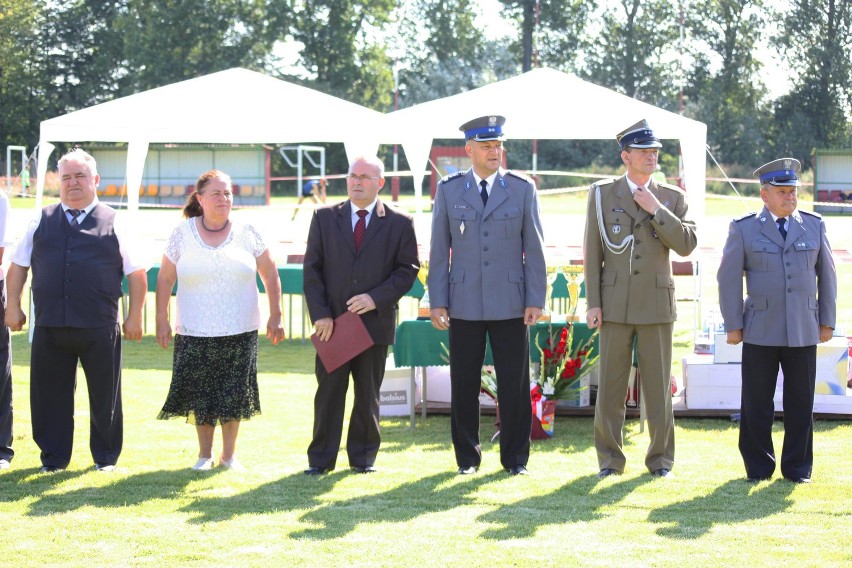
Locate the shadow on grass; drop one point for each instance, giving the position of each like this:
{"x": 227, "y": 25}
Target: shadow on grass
{"x": 736, "y": 501}
{"x": 421, "y": 497}
{"x": 18, "y": 484}
{"x": 126, "y": 491}
{"x": 571, "y": 503}
{"x": 338, "y": 518}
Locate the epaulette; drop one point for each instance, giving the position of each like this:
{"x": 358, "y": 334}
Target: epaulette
{"x": 453, "y": 175}
{"x": 519, "y": 176}
{"x": 603, "y": 182}
{"x": 671, "y": 187}
{"x": 746, "y": 216}
{"x": 811, "y": 213}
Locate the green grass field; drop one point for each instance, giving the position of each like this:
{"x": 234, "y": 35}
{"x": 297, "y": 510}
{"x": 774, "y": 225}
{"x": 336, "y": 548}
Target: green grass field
{"x": 415, "y": 511}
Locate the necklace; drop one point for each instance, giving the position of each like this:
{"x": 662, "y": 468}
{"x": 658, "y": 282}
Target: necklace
{"x": 219, "y": 230}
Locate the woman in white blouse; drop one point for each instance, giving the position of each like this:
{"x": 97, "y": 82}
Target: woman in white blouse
{"x": 214, "y": 374}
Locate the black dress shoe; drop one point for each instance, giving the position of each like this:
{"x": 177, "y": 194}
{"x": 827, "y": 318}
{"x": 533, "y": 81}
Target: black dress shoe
{"x": 518, "y": 470}
{"x": 51, "y": 469}
{"x": 363, "y": 469}
{"x": 663, "y": 472}
{"x": 607, "y": 471}
{"x": 469, "y": 470}
{"x": 315, "y": 470}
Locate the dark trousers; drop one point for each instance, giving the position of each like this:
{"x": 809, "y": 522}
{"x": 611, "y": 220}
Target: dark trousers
{"x": 53, "y": 380}
{"x": 510, "y": 346}
{"x": 759, "y": 373}
{"x": 6, "y": 451}
{"x": 363, "y": 439}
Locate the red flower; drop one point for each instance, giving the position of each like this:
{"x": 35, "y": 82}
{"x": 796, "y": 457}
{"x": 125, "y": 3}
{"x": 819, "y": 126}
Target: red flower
{"x": 568, "y": 372}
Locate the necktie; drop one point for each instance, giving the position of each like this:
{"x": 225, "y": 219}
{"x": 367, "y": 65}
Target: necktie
{"x": 360, "y": 227}
{"x": 484, "y": 193}
{"x": 781, "y": 228}
{"x": 75, "y": 213}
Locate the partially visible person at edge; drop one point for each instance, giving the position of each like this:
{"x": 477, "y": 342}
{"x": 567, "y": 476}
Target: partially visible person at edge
{"x": 487, "y": 282}
{"x": 214, "y": 375}
{"x": 6, "y": 452}
{"x": 632, "y": 225}
{"x": 789, "y": 307}
{"x": 79, "y": 250}
{"x": 308, "y": 191}
{"x": 361, "y": 257}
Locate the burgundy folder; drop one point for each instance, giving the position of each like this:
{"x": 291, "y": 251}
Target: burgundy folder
{"x": 349, "y": 339}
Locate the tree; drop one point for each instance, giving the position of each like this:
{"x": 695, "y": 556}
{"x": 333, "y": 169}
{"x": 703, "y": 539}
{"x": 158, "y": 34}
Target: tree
{"x": 557, "y": 39}
{"x": 816, "y": 39}
{"x": 341, "y": 50}
{"x": 453, "y": 57}
{"x": 731, "y": 99}
{"x": 165, "y": 41}
{"x": 633, "y": 53}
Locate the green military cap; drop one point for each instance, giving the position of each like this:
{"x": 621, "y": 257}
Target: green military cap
{"x": 780, "y": 172}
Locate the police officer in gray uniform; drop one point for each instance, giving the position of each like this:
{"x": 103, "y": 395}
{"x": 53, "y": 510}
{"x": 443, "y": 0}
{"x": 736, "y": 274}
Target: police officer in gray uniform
{"x": 790, "y": 306}
{"x": 487, "y": 219}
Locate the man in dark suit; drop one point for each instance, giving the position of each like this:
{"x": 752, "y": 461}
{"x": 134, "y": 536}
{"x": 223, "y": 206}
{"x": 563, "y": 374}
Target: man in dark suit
{"x": 6, "y": 451}
{"x": 78, "y": 251}
{"x": 487, "y": 282}
{"x": 361, "y": 256}
{"x": 790, "y": 306}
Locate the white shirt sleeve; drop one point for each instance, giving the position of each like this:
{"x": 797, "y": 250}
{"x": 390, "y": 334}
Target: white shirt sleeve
{"x": 128, "y": 246}
{"x": 24, "y": 248}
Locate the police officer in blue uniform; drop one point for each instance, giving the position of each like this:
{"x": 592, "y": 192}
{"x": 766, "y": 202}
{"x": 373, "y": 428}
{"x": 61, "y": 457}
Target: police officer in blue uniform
{"x": 487, "y": 219}
{"x": 789, "y": 307}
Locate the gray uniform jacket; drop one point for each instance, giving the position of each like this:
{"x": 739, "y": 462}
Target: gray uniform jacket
{"x": 635, "y": 286}
{"x": 791, "y": 285}
{"x": 497, "y": 267}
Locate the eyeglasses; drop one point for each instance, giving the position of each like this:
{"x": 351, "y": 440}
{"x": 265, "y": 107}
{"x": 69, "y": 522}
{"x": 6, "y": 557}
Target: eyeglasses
{"x": 362, "y": 179}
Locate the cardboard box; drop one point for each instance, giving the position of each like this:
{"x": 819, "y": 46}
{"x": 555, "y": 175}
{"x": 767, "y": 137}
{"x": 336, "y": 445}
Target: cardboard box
{"x": 724, "y": 353}
{"x": 395, "y": 393}
{"x": 709, "y": 385}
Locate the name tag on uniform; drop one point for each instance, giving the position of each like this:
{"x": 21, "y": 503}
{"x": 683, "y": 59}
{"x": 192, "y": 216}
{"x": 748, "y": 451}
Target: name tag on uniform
{"x": 618, "y": 210}
{"x": 460, "y": 206}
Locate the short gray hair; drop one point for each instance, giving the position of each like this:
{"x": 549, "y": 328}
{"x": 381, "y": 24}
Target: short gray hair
{"x": 80, "y": 155}
{"x": 370, "y": 160}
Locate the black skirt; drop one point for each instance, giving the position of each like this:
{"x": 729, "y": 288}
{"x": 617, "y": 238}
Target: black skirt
{"x": 214, "y": 379}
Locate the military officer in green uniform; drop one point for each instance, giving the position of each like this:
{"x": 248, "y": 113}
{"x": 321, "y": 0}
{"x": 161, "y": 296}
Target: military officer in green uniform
{"x": 632, "y": 223}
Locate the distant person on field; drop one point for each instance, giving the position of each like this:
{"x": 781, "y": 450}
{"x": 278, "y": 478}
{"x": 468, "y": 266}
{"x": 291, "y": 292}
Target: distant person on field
{"x": 214, "y": 375}
{"x": 78, "y": 250}
{"x": 25, "y": 180}
{"x": 311, "y": 186}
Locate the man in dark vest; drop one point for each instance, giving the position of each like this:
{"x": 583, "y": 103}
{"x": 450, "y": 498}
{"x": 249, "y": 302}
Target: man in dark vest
{"x": 78, "y": 254}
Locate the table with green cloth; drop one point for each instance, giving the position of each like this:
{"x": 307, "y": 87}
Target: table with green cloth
{"x": 418, "y": 344}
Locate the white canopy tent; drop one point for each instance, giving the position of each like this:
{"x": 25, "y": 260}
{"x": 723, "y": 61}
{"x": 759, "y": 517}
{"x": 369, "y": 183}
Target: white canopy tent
{"x": 236, "y": 106}
{"x": 545, "y": 104}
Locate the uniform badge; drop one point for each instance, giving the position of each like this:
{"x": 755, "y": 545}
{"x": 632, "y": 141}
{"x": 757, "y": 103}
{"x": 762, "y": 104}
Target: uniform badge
{"x": 461, "y": 228}
{"x": 654, "y": 233}
{"x": 467, "y": 185}
{"x": 666, "y": 204}
{"x": 788, "y": 164}
{"x": 502, "y": 182}
{"x": 618, "y": 210}
{"x": 492, "y": 121}
{"x": 616, "y": 229}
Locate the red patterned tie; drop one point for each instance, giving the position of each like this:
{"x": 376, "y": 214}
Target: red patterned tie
{"x": 360, "y": 227}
